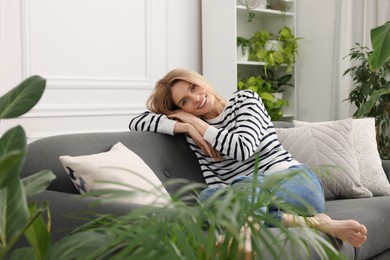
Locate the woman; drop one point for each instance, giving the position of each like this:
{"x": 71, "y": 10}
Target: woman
{"x": 228, "y": 136}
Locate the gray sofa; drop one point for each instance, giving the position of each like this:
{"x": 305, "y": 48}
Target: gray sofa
{"x": 170, "y": 157}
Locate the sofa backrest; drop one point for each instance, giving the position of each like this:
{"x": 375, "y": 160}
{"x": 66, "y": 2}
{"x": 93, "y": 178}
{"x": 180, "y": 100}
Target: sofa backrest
{"x": 168, "y": 156}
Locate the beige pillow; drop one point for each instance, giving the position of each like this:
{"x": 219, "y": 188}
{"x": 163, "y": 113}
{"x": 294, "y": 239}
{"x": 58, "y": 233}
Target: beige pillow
{"x": 372, "y": 175}
{"x": 119, "y": 169}
{"x": 328, "y": 150}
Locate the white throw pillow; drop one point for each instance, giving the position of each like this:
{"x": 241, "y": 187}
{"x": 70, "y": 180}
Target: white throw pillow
{"x": 372, "y": 175}
{"x": 119, "y": 169}
{"x": 328, "y": 150}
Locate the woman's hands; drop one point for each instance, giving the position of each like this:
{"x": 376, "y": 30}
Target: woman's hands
{"x": 187, "y": 124}
{"x": 185, "y": 117}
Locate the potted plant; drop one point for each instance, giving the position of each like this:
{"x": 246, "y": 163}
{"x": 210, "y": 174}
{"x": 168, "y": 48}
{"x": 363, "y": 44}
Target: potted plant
{"x": 250, "y": 4}
{"x": 278, "y": 80}
{"x": 278, "y": 53}
{"x": 268, "y": 94}
{"x": 18, "y": 217}
{"x": 283, "y": 53}
{"x": 243, "y": 45}
{"x": 195, "y": 232}
{"x": 279, "y": 5}
{"x": 371, "y": 90}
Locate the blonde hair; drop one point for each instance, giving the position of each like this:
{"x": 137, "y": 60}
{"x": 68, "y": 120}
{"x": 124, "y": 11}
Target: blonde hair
{"x": 161, "y": 102}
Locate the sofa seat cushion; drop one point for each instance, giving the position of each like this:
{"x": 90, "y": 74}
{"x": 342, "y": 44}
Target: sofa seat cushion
{"x": 373, "y": 213}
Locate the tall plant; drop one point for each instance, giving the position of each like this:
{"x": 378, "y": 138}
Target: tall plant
{"x": 371, "y": 77}
{"x": 18, "y": 217}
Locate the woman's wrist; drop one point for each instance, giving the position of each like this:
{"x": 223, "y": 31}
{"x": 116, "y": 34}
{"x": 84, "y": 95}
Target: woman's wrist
{"x": 182, "y": 128}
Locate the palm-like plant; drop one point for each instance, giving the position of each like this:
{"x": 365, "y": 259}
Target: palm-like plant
{"x": 183, "y": 231}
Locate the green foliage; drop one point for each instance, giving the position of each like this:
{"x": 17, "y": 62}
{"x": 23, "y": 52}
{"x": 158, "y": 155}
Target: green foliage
{"x": 244, "y": 44}
{"x": 18, "y": 216}
{"x": 278, "y": 61}
{"x": 284, "y": 54}
{"x": 371, "y": 94}
{"x": 182, "y": 231}
{"x": 22, "y": 98}
{"x": 277, "y": 82}
{"x": 265, "y": 90}
{"x": 380, "y": 40}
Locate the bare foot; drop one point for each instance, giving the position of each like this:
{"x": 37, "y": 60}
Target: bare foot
{"x": 349, "y": 231}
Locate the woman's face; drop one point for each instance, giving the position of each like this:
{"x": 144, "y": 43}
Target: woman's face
{"x": 193, "y": 99}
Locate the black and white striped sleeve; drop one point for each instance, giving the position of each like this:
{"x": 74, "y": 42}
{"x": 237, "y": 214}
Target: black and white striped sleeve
{"x": 152, "y": 122}
{"x": 243, "y": 140}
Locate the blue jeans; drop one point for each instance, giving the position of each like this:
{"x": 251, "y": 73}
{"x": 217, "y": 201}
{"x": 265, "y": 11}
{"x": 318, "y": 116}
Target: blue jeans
{"x": 308, "y": 194}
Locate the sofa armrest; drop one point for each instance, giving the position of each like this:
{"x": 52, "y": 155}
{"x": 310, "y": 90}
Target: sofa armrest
{"x": 386, "y": 167}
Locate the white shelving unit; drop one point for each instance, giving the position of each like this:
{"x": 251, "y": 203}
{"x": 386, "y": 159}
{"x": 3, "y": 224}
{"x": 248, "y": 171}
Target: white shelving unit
{"x": 222, "y": 22}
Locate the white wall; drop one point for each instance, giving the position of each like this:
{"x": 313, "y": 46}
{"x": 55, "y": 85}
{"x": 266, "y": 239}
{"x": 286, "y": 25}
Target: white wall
{"x": 315, "y": 58}
{"x": 330, "y": 28}
{"x": 101, "y": 58}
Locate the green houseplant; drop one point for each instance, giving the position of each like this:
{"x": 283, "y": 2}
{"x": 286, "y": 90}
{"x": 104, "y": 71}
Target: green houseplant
{"x": 183, "y": 231}
{"x": 266, "y": 91}
{"x": 284, "y": 53}
{"x": 280, "y": 5}
{"x": 250, "y": 4}
{"x": 20, "y": 218}
{"x": 371, "y": 90}
{"x": 243, "y": 45}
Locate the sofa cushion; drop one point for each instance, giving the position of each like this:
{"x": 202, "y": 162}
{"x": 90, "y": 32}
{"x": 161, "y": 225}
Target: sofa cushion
{"x": 328, "y": 150}
{"x": 118, "y": 169}
{"x": 371, "y": 212}
{"x": 372, "y": 175}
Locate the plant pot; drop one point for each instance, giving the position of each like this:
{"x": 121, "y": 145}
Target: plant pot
{"x": 278, "y": 5}
{"x": 278, "y": 95}
{"x": 273, "y": 45}
{"x": 250, "y": 3}
{"x": 242, "y": 56}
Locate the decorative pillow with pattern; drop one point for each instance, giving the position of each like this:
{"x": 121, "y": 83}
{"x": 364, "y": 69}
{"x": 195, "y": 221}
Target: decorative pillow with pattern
{"x": 329, "y": 151}
{"x": 372, "y": 175}
{"x": 118, "y": 169}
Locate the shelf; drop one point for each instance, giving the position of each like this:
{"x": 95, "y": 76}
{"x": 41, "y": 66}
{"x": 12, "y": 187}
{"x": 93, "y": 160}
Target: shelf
{"x": 263, "y": 12}
{"x": 255, "y": 63}
{"x": 250, "y": 63}
{"x": 288, "y": 115}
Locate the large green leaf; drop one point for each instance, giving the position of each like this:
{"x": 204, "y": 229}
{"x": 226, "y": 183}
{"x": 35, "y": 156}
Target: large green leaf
{"x": 380, "y": 40}
{"x": 7, "y": 163}
{"x": 22, "y": 98}
{"x": 12, "y": 150}
{"x": 22, "y": 254}
{"x": 367, "y": 106}
{"x": 38, "y": 233}
{"x": 38, "y": 182}
{"x": 14, "y": 212}
{"x": 81, "y": 244}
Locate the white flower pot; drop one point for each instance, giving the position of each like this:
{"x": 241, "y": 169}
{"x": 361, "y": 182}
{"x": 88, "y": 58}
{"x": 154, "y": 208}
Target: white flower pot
{"x": 241, "y": 56}
{"x": 273, "y": 45}
{"x": 278, "y": 95}
{"x": 251, "y": 3}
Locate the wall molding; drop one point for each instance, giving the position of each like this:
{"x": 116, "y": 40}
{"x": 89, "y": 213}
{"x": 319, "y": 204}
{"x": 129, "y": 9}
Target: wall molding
{"x": 99, "y": 83}
{"x": 71, "y": 110}
{"x": 40, "y": 135}
{"x": 1, "y": 20}
{"x": 69, "y": 82}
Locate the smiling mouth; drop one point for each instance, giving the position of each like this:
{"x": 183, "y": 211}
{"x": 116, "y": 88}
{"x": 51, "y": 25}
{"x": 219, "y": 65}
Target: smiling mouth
{"x": 203, "y": 102}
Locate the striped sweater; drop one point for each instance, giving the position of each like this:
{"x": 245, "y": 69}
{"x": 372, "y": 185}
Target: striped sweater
{"x": 242, "y": 133}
